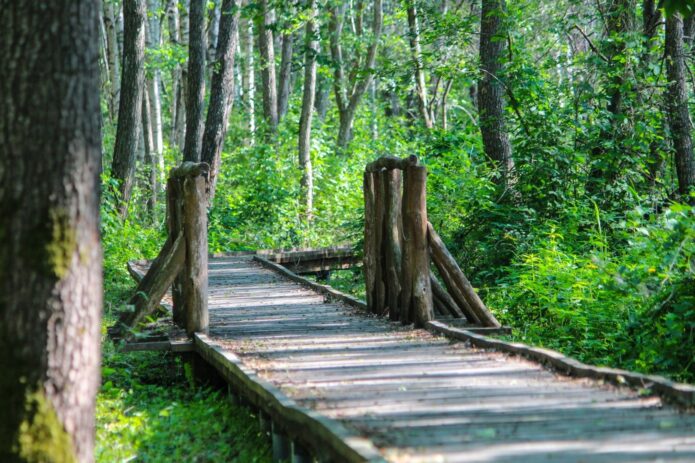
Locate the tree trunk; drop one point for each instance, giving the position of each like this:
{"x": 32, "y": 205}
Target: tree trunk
{"x": 312, "y": 45}
{"x": 114, "y": 58}
{"x": 150, "y": 157}
{"x": 130, "y": 107}
{"x": 348, "y": 94}
{"x": 213, "y": 30}
{"x": 196, "y": 82}
{"x": 154, "y": 84}
{"x": 491, "y": 92}
{"x": 221, "y": 91}
{"x": 267, "y": 52}
{"x": 248, "y": 78}
{"x": 285, "y": 77}
{"x": 416, "y": 54}
{"x": 50, "y": 254}
{"x": 679, "y": 117}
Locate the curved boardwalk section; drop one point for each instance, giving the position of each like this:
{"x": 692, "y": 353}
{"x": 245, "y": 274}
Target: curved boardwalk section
{"x": 413, "y": 395}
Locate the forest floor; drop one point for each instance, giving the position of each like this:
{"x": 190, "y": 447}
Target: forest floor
{"x": 151, "y": 409}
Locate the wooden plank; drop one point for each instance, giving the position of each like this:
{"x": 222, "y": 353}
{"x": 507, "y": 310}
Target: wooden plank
{"x": 323, "y": 289}
{"x": 327, "y": 438}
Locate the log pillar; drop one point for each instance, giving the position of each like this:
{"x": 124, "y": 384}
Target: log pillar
{"x": 195, "y": 272}
{"x": 175, "y": 226}
{"x": 369, "y": 239}
{"x": 416, "y": 292}
{"x": 391, "y": 243}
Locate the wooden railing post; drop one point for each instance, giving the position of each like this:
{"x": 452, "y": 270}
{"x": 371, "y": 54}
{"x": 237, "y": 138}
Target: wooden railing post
{"x": 391, "y": 243}
{"x": 188, "y": 213}
{"x": 416, "y": 292}
{"x": 370, "y": 245}
{"x": 195, "y": 271}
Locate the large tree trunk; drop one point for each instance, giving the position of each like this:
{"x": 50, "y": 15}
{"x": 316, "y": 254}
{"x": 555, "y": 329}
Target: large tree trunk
{"x": 130, "y": 107}
{"x": 196, "y": 82}
{"x": 312, "y": 49}
{"x": 50, "y": 255}
{"x": 679, "y": 117}
{"x": 114, "y": 58}
{"x": 285, "y": 77}
{"x": 491, "y": 91}
{"x": 154, "y": 39}
{"x": 221, "y": 91}
{"x": 416, "y": 54}
{"x": 267, "y": 52}
{"x": 248, "y": 78}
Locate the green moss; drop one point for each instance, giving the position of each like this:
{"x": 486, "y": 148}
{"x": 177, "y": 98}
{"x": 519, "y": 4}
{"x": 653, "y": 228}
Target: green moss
{"x": 62, "y": 242}
{"x": 42, "y": 437}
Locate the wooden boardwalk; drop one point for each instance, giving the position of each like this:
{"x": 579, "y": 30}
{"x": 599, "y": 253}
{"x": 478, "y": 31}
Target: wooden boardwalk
{"x": 351, "y": 387}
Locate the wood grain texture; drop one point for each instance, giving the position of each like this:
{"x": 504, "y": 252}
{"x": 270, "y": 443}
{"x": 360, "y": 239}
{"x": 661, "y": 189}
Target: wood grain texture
{"x": 355, "y": 387}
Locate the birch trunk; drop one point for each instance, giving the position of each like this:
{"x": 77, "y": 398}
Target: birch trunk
{"x": 312, "y": 45}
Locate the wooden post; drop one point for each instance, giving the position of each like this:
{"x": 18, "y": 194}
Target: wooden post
{"x": 174, "y": 227}
{"x": 416, "y": 293}
{"x": 369, "y": 239}
{"x": 391, "y": 244}
{"x": 379, "y": 288}
{"x": 195, "y": 273}
{"x": 456, "y": 282}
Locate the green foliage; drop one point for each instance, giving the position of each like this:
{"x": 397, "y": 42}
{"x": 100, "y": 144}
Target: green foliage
{"x": 147, "y": 412}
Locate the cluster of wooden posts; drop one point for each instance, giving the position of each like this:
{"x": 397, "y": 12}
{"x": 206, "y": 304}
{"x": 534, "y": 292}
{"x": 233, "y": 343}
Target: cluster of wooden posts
{"x": 182, "y": 264}
{"x": 400, "y": 244}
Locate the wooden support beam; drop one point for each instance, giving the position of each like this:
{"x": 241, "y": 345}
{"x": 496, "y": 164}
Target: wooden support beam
{"x": 391, "y": 242}
{"x": 456, "y": 282}
{"x": 448, "y": 304}
{"x": 195, "y": 272}
{"x": 153, "y": 286}
{"x": 416, "y": 292}
{"x": 391, "y": 162}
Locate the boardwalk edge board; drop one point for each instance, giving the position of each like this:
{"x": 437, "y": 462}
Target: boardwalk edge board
{"x": 321, "y": 434}
{"x": 677, "y": 393}
{"x": 323, "y": 289}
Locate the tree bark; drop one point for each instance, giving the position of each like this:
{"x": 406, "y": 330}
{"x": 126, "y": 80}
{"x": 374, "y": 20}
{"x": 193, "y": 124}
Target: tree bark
{"x": 130, "y": 107}
{"x": 285, "y": 77}
{"x": 416, "y": 293}
{"x": 154, "y": 84}
{"x": 491, "y": 92}
{"x": 195, "y": 272}
{"x": 392, "y": 243}
{"x": 50, "y": 254}
{"x": 419, "y": 72}
{"x": 221, "y": 91}
{"x": 214, "y": 30}
{"x": 679, "y": 116}
{"x": 150, "y": 157}
{"x": 349, "y": 91}
{"x": 196, "y": 82}
{"x": 248, "y": 78}
{"x": 113, "y": 57}
{"x": 312, "y": 45}
{"x": 267, "y": 51}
